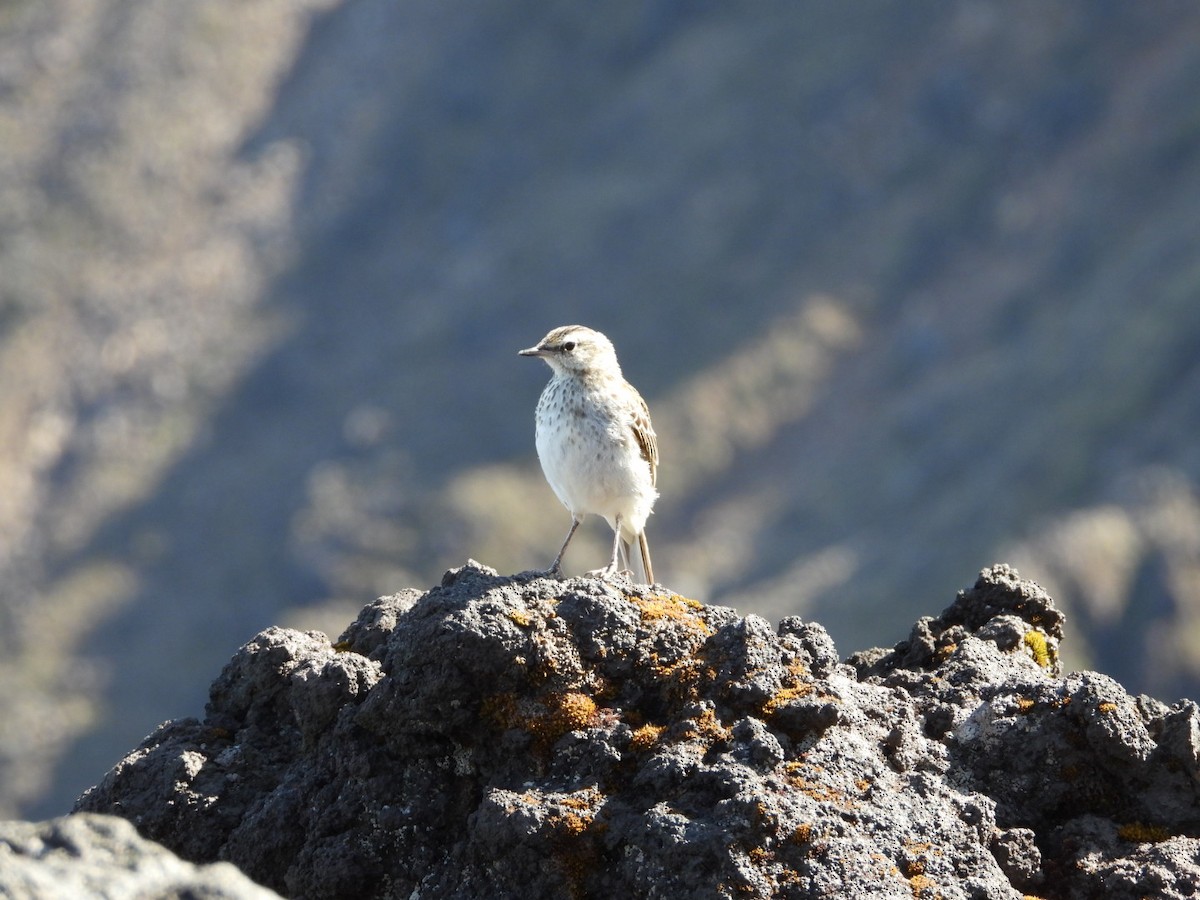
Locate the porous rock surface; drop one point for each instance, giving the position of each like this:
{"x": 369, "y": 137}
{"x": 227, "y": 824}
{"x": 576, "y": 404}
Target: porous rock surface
{"x": 525, "y": 737}
{"x": 103, "y": 858}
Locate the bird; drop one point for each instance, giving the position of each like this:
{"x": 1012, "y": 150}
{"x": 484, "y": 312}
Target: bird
{"x": 595, "y": 442}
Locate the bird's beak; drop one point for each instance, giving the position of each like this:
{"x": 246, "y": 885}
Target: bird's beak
{"x": 532, "y": 351}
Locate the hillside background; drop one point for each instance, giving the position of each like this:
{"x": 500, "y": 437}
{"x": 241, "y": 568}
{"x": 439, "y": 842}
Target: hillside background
{"x": 911, "y": 288}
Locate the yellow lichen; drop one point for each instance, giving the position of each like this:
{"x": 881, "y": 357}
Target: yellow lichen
{"x": 1043, "y": 653}
{"x": 674, "y": 608}
{"x": 1107, "y": 707}
{"x": 785, "y": 696}
{"x": 797, "y": 685}
{"x": 1140, "y": 833}
{"x": 520, "y": 616}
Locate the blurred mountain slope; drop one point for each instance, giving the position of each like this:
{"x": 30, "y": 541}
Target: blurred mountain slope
{"x": 904, "y": 285}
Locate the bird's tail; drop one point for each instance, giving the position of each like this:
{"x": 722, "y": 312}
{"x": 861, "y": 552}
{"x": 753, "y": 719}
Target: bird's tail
{"x": 644, "y": 547}
{"x": 644, "y": 550}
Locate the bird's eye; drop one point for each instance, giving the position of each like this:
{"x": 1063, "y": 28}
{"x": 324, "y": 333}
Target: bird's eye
{"x": 569, "y": 346}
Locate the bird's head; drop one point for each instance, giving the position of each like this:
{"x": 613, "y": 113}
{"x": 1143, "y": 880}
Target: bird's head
{"x": 575, "y": 348}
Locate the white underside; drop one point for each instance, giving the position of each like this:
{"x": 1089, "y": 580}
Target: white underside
{"x": 596, "y": 468}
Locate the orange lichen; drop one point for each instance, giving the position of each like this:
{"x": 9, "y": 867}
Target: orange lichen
{"x": 574, "y": 847}
{"x": 1107, "y": 707}
{"x": 500, "y": 709}
{"x": 915, "y": 857}
{"x": 588, "y": 799}
{"x": 572, "y": 710}
{"x": 646, "y": 737}
{"x": 573, "y": 824}
{"x": 547, "y": 718}
{"x": 684, "y": 677}
{"x": 708, "y": 727}
{"x": 760, "y": 855}
{"x": 923, "y": 887}
{"x": 674, "y": 608}
{"x": 816, "y": 791}
{"x": 519, "y": 616}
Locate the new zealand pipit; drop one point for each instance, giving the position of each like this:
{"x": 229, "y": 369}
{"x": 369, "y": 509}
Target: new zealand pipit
{"x": 595, "y": 442}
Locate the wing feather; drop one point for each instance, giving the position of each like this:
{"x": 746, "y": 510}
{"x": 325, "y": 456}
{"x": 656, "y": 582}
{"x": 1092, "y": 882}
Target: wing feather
{"x": 647, "y": 440}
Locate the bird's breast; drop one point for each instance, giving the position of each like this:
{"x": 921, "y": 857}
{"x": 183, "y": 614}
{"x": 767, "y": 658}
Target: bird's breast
{"x": 589, "y": 456}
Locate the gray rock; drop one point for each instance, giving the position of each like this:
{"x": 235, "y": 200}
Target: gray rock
{"x": 102, "y": 857}
{"x": 1126, "y": 862}
{"x": 518, "y": 736}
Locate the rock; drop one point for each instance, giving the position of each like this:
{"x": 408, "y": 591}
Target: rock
{"x": 89, "y": 855}
{"x": 520, "y": 736}
{"x": 1134, "y": 860}
{"x": 1000, "y": 608}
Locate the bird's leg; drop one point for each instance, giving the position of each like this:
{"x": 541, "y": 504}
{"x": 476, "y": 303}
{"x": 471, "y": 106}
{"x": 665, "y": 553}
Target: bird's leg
{"x": 614, "y": 564}
{"x": 556, "y": 566}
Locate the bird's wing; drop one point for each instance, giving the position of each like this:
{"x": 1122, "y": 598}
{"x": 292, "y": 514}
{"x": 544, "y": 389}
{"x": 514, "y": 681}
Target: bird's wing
{"x": 647, "y": 440}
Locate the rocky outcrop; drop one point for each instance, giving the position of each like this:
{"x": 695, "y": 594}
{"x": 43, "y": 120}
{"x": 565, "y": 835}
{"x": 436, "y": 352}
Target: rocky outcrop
{"x": 103, "y": 858}
{"x": 518, "y": 736}
{"x": 266, "y": 266}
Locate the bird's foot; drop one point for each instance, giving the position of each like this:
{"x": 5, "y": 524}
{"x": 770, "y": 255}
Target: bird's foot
{"x": 610, "y": 572}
